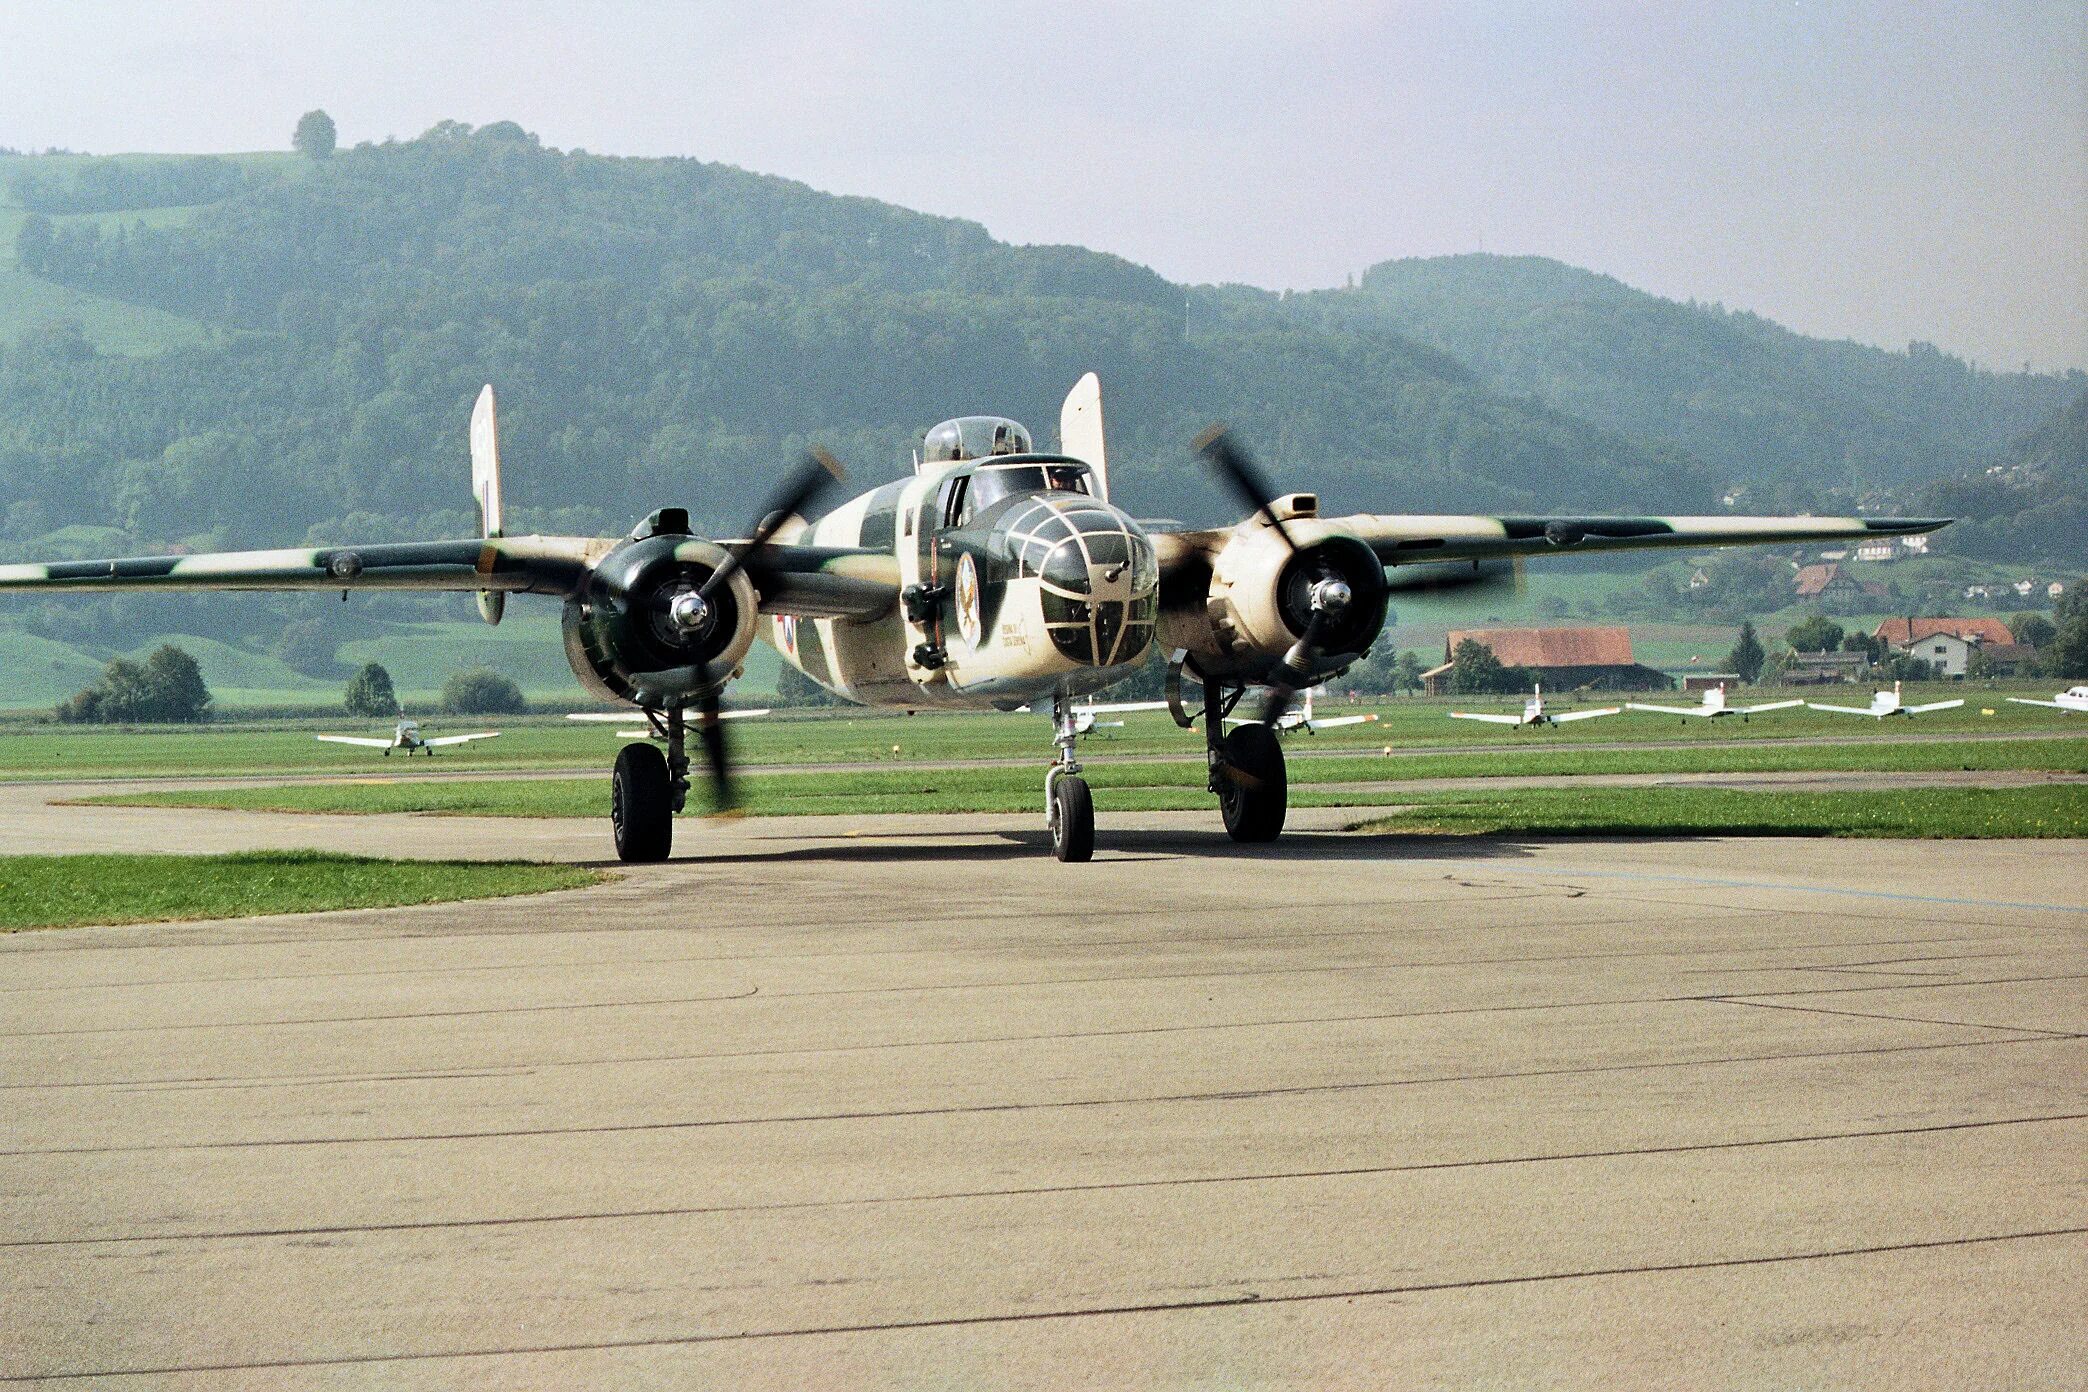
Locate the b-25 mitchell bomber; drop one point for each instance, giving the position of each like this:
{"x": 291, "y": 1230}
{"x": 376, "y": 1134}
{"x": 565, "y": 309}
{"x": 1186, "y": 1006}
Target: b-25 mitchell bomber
{"x": 996, "y": 576}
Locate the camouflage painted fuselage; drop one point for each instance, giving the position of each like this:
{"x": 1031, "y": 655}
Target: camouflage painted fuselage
{"x": 1009, "y": 593}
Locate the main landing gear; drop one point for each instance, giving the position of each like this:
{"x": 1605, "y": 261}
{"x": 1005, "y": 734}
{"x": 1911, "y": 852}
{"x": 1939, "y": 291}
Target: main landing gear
{"x": 1247, "y": 769}
{"x": 648, "y": 788}
{"x": 1069, "y": 809}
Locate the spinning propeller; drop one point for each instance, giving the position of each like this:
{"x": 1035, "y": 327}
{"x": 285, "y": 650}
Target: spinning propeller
{"x": 693, "y": 612}
{"x": 1328, "y": 595}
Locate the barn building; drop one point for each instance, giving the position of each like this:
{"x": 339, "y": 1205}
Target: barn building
{"x": 1564, "y": 659}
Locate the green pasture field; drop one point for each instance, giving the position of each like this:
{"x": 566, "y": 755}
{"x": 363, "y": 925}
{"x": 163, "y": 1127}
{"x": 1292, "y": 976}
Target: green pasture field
{"x": 1952, "y": 814}
{"x": 30, "y": 750}
{"x": 1336, "y": 781}
{"x": 68, "y": 890}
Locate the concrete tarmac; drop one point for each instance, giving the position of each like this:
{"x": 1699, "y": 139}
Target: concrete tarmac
{"x": 903, "y": 1102}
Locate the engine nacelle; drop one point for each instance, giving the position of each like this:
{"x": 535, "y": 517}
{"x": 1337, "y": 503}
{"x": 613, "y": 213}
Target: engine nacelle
{"x": 1239, "y": 618}
{"x": 637, "y": 631}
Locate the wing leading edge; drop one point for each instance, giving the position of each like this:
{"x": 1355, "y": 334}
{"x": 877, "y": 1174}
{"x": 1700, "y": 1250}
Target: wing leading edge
{"x": 530, "y": 565}
{"x": 1402, "y": 540}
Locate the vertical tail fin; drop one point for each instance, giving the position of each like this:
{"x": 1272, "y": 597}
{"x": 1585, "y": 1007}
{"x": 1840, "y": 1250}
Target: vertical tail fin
{"x": 1080, "y": 430}
{"x": 485, "y": 486}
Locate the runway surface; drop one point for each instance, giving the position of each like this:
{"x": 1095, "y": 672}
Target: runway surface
{"x": 902, "y": 1101}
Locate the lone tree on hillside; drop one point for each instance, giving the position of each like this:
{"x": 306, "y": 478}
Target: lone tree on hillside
{"x": 167, "y": 686}
{"x": 1815, "y": 634}
{"x": 1747, "y": 655}
{"x": 314, "y": 136}
{"x": 481, "y": 691}
{"x": 370, "y": 692}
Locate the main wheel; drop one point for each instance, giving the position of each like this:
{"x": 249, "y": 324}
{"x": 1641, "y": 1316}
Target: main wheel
{"x": 1072, "y": 819}
{"x": 1253, "y": 790}
{"x": 641, "y": 804}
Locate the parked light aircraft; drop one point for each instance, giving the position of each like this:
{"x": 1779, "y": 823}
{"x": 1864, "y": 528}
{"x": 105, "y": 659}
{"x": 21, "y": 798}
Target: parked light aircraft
{"x": 1534, "y": 713}
{"x": 1712, "y": 706}
{"x": 1085, "y": 715}
{"x": 1884, "y": 703}
{"x": 995, "y": 576}
{"x": 2074, "y": 698}
{"x": 407, "y": 735}
{"x": 1300, "y": 717}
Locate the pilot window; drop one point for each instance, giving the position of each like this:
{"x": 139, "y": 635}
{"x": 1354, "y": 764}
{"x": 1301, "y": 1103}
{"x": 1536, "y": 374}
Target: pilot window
{"x": 989, "y": 486}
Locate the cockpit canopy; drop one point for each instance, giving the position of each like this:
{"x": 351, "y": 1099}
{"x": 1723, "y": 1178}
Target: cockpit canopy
{"x": 974, "y": 437}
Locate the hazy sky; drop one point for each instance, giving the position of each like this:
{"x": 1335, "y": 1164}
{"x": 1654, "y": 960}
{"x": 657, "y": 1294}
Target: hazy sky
{"x": 1880, "y": 171}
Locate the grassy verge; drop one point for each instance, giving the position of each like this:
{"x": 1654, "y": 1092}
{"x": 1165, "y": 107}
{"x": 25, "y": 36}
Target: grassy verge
{"x": 68, "y": 890}
{"x": 1327, "y": 782}
{"x": 1944, "y": 814}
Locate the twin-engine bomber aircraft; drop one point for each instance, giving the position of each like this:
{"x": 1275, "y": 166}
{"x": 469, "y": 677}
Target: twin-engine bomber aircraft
{"x": 996, "y": 576}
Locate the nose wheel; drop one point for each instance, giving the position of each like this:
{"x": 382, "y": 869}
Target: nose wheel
{"x": 1069, "y": 808}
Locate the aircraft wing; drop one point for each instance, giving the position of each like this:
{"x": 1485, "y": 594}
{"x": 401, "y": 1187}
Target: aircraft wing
{"x": 1766, "y": 706}
{"x": 1844, "y": 710}
{"x": 1933, "y": 706}
{"x": 461, "y": 739}
{"x": 352, "y": 739}
{"x": 529, "y": 564}
{"x": 824, "y": 582}
{"x": 1123, "y": 707}
{"x": 1489, "y": 719}
{"x": 1565, "y": 716}
{"x": 2031, "y": 701}
{"x": 1665, "y": 710}
{"x": 1401, "y": 540}
{"x": 1329, "y": 722}
{"x": 624, "y": 717}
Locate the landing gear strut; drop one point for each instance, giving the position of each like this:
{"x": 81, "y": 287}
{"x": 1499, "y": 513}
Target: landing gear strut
{"x": 1247, "y": 769}
{"x": 648, "y": 788}
{"x": 1069, "y": 809}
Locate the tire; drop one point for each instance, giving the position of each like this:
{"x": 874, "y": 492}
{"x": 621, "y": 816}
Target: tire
{"x": 1253, "y": 788}
{"x": 1072, "y": 819}
{"x": 641, "y": 805}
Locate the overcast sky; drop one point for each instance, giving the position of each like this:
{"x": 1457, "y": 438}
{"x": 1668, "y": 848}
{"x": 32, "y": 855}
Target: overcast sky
{"x": 1878, "y": 171}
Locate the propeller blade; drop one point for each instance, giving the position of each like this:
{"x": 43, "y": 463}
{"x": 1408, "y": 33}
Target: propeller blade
{"x": 717, "y": 753}
{"x": 1242, "y": 476}
{"x": 814, "y": 475}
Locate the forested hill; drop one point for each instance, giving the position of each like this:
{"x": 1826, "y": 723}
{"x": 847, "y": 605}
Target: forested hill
{"x": 274, "y": 347}
{"x": 2030, "y": 502}
{"x": 669, "y": 331}
{"x": 1751, "y": 399}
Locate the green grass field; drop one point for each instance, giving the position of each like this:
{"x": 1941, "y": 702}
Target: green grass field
{"x": 44, "y": 750}
{"x": 1953, "y": 814}
{"x": 1327, "y": 782}
{"x": 66, "y": 891}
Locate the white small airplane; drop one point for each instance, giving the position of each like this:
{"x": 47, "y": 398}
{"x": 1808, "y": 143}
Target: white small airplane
{"x": 624, "y": 718}
{"x": 1085, "y": 717}
{"x": 407, "y": 735}
{"x": 1712, "y": 706}
{"x": 2074, "y": 698}
{"x": 1534, "y": 713}
{"x": 1300, "y": 717}
{"x": 1884, "y": 703}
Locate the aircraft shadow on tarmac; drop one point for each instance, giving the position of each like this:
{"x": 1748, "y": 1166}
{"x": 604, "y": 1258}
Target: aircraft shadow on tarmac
{"x": 1120, "y": 845}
